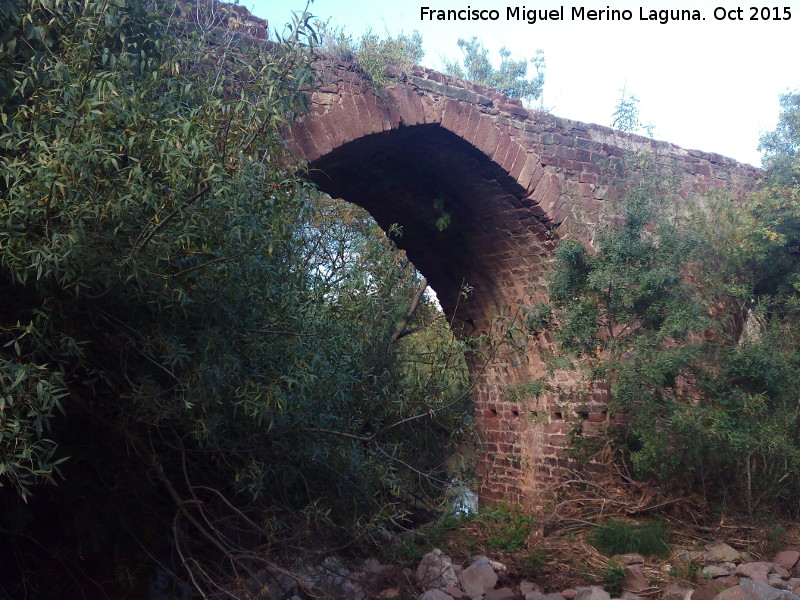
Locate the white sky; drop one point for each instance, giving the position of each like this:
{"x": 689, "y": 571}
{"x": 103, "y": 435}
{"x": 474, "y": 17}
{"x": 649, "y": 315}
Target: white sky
{"x": 712, "y": 85}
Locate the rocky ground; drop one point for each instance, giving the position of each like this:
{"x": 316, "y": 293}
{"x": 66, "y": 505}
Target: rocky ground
{"x": 720, "y": 573}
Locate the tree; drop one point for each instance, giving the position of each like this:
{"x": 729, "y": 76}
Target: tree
{"x": 193, "y": 344}
{"x": 622, "y": 306}
{"x": 626, "y": 115}
{"x": 509, "y": 78}
{"x": 781, "y": 146}
{"x": 686, "y": 319}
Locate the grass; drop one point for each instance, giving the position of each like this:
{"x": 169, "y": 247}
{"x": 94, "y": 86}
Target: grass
{"x": 618, "y": 537}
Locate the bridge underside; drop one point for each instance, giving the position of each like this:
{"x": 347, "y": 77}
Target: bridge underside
{"x": 411, "y": 177}
{"x": 408, "y": 177}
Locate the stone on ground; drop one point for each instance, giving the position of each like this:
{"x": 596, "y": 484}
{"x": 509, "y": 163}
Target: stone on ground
{"x": 677, "y": 592}
{"x": 526, "y": 587}
{"x": 780, "y": 571}
{"x": 635, "y": 579}
{"x": 766, "y": 591}
{"x": 628, "y": 559}
{"x": 503, "y": 593}
{"x": 722, "y": 552}
{"x": 778, "y": 582}
{"x": 757, "y": 571}
{"x": 436, "y": 570}
{"x": 738, "y": 592}
{"x": 435, "y": 594}
{"x": 540, "y": 596}
{"x": 711, "y": 588}
{"x": 720, "y": 570}
{"x": 478, "y": 578}
{"x": 593, "y": 592}
{"x": 787, "y": 559}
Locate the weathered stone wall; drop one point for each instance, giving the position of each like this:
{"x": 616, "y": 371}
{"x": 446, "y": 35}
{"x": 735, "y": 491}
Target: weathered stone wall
{"x": 512, "y": 180}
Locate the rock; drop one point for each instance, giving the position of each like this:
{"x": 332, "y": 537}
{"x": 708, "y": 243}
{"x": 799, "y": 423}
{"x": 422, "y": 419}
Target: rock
{"x": 738, "y": 592}
{"x": 628, "y": 559}
{"x": 714, "y": 571}
{"x": 272, "y": 582}
{"x": 722, "y": 552}
{"x": 455, "y": 592}
{"x": 787, "y": 559}
{"x": 373, "y": 566}
{"x": 593, "y": 592}
{"x": 569, "y": 593}
{"x": 478, "y": 578}
{"x": 794, "y": 584}
{"x": 503, "y": 593}
{"x": 498, "y": 566}
{"x": 436, "y": 570}
{"x": 677, "y": 592}
{"x": 526, "y": 587}
{"x": 757, "y": 571}
{"x": 435, "y": 594}
{"x": 353, "y": 591}
{"x": 780, "y": 571}
{"x": 711, "y": 588}
{"x": 540, "y": 596}
{"x": 333, "y": 578}
{"x": 635, "y": 579}
{"x": 767, "y": 592}
{"x": 778, "y": 582}
{"x": 389, "y": 594}
{"x": 630, "y": 596}
{"x": 693, "y": 556}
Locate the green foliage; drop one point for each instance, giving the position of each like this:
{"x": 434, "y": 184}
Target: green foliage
{"x": 618, "y": 537}
{"x": 381, "y": 59}
{"x": 630, "y": 292}
{"x": 538, "y": 317}
{"x": 613, "y": 578}
{"x": 532, "y": 389}
{"x": 534, "y": 563}
{"x": 130, "y": 164}
{"x": 509, "y": 78}
{"x": 626, "y": 115}
{"x": 781, "y": 146}
{"x": 213, "y": 345}
{"x": 688, "y": 321}
{"x": 509, "y": 528}
{"x": 444, "y": 218}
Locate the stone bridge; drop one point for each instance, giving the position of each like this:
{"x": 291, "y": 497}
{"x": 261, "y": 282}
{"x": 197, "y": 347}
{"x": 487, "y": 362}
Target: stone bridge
{"x": 513, "y": 181}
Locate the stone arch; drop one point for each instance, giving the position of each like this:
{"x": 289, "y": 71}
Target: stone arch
{"x": 508, "y": 177}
